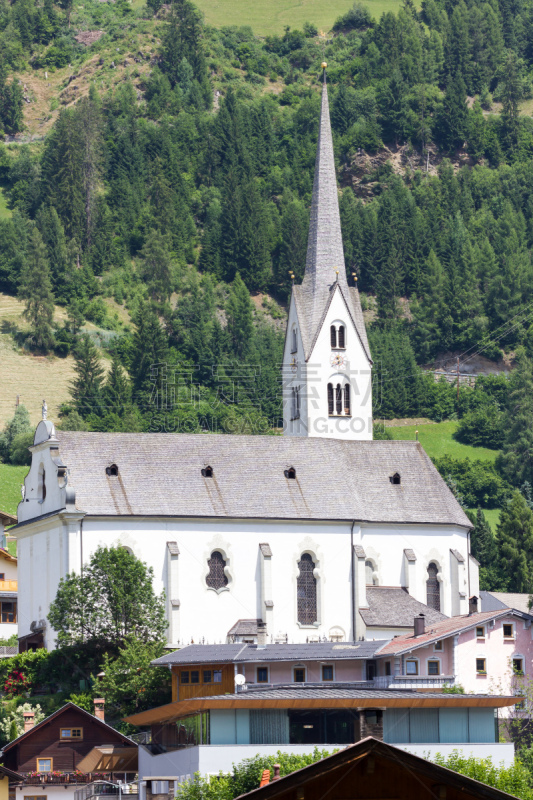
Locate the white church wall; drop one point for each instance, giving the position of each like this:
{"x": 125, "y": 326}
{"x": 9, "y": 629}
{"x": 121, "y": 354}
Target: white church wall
{"x": 48, "y": 550}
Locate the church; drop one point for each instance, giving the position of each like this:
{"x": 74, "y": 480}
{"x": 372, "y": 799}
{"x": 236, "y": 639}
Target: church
{"x": 321, "y": 534}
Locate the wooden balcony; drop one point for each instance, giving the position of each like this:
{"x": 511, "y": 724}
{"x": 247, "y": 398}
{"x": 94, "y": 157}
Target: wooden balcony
{"x": 8, "y": 586}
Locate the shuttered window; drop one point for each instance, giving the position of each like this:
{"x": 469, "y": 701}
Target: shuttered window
{"x": 306, "y": 590}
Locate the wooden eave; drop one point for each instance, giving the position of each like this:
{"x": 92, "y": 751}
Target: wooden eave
{"x": 183, "y": 708}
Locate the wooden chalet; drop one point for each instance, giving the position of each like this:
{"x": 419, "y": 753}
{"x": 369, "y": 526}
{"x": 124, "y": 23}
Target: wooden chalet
{"x": 373, "y": 770}
{"x": 56, "y": 746}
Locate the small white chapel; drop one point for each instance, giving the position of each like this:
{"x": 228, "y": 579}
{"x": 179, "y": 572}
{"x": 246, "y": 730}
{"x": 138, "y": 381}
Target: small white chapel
{"x": 321, "y": 534}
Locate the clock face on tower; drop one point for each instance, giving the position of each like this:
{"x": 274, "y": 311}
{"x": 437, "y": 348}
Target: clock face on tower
{"x": 337, "y": 360}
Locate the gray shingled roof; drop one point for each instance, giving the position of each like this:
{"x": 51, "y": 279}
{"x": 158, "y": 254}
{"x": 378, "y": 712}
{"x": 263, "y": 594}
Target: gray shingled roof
{"x": 240, "y": 653}
{"x": 394, "y": 607}
{"x": 519, "y": 601}
{"x": 325, "y": 252}
{"x": 245, "y": 627}
{"x": 160, "y": 475}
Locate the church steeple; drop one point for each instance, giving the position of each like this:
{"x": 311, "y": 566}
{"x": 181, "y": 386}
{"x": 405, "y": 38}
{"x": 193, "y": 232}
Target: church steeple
{"x": 325, "y": 252}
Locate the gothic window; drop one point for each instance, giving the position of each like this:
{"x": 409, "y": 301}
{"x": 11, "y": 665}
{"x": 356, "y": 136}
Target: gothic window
{"x": 331, "y": 409}
{"x": 347, "y": 399}
{"x": 338, "y": 399}
{"x": 333, "y": 335}
{"x": 341, "y": 336}
{"x": 369, "y": 573}
{"x": 294, "y": 345}
{"x": 295, "y": 403}
{"x": 306, "y": 591}
{"x": 433, "y": 588}
{"x": 216, "y": 577}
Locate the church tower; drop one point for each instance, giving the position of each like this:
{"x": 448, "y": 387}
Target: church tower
{"x": 327, "y": 381}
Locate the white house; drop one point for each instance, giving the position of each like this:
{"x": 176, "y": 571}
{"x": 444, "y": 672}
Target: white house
{"x": 319, "y": 534}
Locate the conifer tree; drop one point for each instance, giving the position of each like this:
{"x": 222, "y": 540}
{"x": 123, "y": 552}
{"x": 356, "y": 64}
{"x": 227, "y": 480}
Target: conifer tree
{"x": 117, "y": 389}
{"x": 452, "y": 124}
{"x": 293, "y": 245}
{"x": 53, "y": 235}
{"x": 512, "y": 93}
{"x": 36, "y": 290}
{"x": 431, "y": 316}
{"x": 516, "y": 460}
{"x": 515, "y": 544}
{"x": 149, "y": 360}
{"x": 485, "y": 549}
{"x": 157, "y": 266}
{"x": 182, "y": 38}
{"x": 240, "y": 318}
{"x": 86, "y": 389}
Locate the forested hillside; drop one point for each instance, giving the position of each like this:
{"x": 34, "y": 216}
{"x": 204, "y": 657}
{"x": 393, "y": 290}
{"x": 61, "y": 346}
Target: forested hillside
{"x": 172, "y": 179}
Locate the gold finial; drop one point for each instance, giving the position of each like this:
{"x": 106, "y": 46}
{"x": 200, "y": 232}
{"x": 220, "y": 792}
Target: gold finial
{"x": 324, "y": 64}
{"x": 416, "y": 434}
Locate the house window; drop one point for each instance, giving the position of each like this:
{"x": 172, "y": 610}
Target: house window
{"x": 369, "y": 574}
{"x": 481, "y": 666}
{"x": 2, "y": 576}
{"x": 518, "y": 666}
{"x": 160, "y": 787}
{"x": 8, "y": 611}
{"x": 433, "y": 667}
{"x": 262, "y": 674}
{"x": 195, "y": 676}
{"x": 34, "y": 796}
{"x": 433, "y": 588}
{"x": 299, "y": 675}
{"x": 341, "y": 337}
{"x": 208, "y": 676}
{"x": 216, "y": 577}
{"x": 306, "y": 590}
{"x": 184, "y": 677}
{"x": 387, "y": 668}
{"x": 438, "y": 646}
{"x": 508, "y": 631}
{"x": 333, "y": 336}
{"x": 72, "y": 733}
{"x": 217, "y": 676}
{"x": 411, "y": 667}
{"x": 480, "y": 632}
{"x": 44, "y": 765}
{"x": 327, "y": 672}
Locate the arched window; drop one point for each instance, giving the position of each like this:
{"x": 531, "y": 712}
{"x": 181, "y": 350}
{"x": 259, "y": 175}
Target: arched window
{"x": 341, "y": 336}
{"x": 347, "y": 399}
{"x": 333, "y": 335}
{"x": 306, "y": 590}
{"x": 433, "y": 588}
{"x": 369, "y": 574}
{"x": 216, "y": 577}
{"x": 41, "y": 485}
{"x": 338, "y": 399}
{"x": 295, "y": 402}
{"x": 294, "y": 344}
{"x": 331, "y": 409}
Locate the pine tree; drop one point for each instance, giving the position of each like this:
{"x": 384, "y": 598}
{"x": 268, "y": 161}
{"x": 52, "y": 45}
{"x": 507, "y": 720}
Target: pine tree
{"x": 36, "y": 290}
{"x": 293, "y": 245}
{"x": 86, "y": 389}
{"x": 431, "y": 315}
{"x": 452, "y": 123}
{"x": 157, "y": 266}
{"x": 53, "y": 235}
{"x": 511, "y": 95}
{"x": 485, "y": 549}
{"x": 182, "y": 38}
{"x": 516, "y": 460}
{"x": 515, "y": 544}
{"x": 117, "y": 390}
{"x": 240, "y": 318}
{"x": 149, "y": 358}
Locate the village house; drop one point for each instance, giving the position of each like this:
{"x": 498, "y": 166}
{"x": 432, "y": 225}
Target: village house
{"x": 48, "y": 756}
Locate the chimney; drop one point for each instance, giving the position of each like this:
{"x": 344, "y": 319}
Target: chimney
{"x": 99, "y": 708}
{"x": 29, "y": 719}
{"x": 276, "y": 772}
{"x": 420, "y": 625}
{"x": 261, "y": 634}
{"x": 472, "y": 605}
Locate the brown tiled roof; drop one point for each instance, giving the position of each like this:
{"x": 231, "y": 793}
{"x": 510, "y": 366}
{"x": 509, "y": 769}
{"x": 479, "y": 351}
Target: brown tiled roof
{"x": 440, "y": 630}
{"x": 160, "y": 475}
{"x": 394, "y": 607}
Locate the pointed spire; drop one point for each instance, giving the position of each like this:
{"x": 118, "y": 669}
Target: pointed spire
{"x": 325, "y": 252}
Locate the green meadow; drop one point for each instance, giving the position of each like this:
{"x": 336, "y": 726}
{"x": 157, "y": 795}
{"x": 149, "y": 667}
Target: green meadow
{"x": 11, "y": 479}
{"x": 437, "y": 440}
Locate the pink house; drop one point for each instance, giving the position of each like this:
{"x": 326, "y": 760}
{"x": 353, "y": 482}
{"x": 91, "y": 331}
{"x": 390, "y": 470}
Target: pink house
{"x": 489, "y": 652}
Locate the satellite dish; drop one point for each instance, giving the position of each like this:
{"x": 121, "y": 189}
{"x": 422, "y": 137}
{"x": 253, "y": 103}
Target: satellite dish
{"x": 240, "y": 680}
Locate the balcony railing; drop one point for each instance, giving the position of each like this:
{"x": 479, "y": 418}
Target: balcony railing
{"x": 412, "y": 681}
{"x": 59, "y": 778}
{"x": 8, "y": 586}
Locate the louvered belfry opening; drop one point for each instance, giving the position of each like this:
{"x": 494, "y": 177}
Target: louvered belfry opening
{"x": 433, "y": 588}
{"x": 216, "y": 578}
{"x": 306, "y": 590}
{"x": 333, "y": 334}
{"x": 341, "y": 336}
{"x": 338, "y": 399}
{"x": 331, "y": 408}
{"x": 347, "y": 410}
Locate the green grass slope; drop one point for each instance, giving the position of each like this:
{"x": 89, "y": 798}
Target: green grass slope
{"x": 271, "y": 16}
{"x": 437, "y": 440}
{"x": 11, "y": 479}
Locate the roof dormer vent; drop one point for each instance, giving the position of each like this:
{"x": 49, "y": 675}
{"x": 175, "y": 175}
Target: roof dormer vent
{"x": 395, "y": 479}
{"x": 112, "y": 470}
{"x": 207, "y": 472}
{"x": 290, "y": 473}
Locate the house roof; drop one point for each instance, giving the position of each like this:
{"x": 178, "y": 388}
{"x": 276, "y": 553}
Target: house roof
{"x": 491, "y": 601}
{"x": 439, "y": 630}
{"x": 334, "y": 696}
{"x": 160, "y": 475}
{"x": 9, "y": 773}
{"x": 6, "y": 555}
{"x": 394, "y": 607}
{"x": 246, "y": 653}
{"x": 245, "y": 627}
{"x": 427, "y": 777}
{"x": 7, "y": 519}
{"x": 67, "y": 707}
